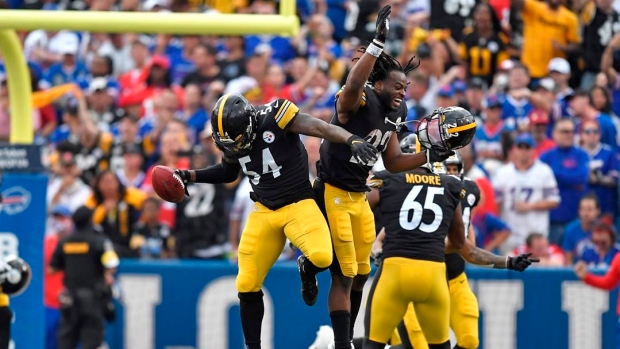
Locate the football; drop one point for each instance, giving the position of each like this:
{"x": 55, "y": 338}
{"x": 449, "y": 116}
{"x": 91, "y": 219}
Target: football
{"x": 167, "y": 184}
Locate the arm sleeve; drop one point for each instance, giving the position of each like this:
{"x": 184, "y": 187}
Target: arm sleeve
{"x": 607, "y": 281}
{"x": 572, "y": 33}
{"x": 285, "y": 113}
{"x": 224, "y": 172}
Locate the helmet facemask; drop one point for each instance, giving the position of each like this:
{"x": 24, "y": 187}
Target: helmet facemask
{"x": 240, "y": 145}
{"x": 433, "y": 132}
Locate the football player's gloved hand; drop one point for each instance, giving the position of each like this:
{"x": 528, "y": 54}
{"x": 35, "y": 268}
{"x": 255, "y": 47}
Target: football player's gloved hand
{"x": 383, "y": 23}
{"x": 376, "y": 257}
{"x": 437, "y": 155}
{"x": 362, "y": 150}
{"x": 520, "y": 262}
{"x": 185, "y": 178}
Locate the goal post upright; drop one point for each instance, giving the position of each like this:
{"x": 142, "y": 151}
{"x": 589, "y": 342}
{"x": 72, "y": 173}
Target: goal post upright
{"x": 285, "y": 23}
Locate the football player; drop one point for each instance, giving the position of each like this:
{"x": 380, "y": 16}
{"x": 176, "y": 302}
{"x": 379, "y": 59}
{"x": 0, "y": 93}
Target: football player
{"x": 15, "y": 275}
{"x": 264, "y": 143}
{"x": 463, "y": 304}
{"x": 420, "y": 209}
{"x": 375, "y": 111}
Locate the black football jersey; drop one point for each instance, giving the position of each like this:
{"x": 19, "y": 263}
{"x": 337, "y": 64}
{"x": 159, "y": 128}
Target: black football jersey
{"x": 277, "y": 165}
{"x": 483, "y": 55}
{"x": 454, "y": 15}
{"x": 455, "y": 264}
{"x": 418, "y": 209}
{"x": 596, "y": 36}
{"x": 372, "y": 121}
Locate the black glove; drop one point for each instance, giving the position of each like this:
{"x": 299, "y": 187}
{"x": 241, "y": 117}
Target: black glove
{"x": 437, "y": 155}
{"x": 362, "y": 150}
{"x": 383, "y": 23}
{"x": 185, "y": 178}
{"x": 520, "y": 262}
{"x": 377, "y": 258}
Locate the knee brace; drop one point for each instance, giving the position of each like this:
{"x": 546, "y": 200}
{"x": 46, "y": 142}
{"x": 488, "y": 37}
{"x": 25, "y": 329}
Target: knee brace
{"x": 321, "y": 260}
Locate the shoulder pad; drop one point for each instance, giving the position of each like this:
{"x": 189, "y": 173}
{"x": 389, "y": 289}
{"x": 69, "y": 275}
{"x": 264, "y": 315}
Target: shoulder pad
{"x": 362, "y": 101}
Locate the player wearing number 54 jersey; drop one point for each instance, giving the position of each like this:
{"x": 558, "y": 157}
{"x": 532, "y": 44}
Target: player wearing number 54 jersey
{"x": 264, "y": 142}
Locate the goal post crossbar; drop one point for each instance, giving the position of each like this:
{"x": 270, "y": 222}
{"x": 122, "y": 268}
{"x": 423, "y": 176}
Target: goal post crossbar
{"x": 285, "y": 23}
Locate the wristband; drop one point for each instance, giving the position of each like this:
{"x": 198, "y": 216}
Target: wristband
{"x": 374, "y": 50}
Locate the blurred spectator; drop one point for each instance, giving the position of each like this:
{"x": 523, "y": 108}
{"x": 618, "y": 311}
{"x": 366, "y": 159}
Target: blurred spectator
{"x": 570, "y": 168}
{"x": 603, "y": 169}
{"x": 127, "y": 132}
{"x": 319, "y": 102}
{"x": 517, "y": 102}
{"x": 232, "y": 65}
{"x": 194, "y": 115}
{"x": 489, "y": 136}
{"x": 474, "y": 171}
{"x": 132, "y": 174}
{"x": 491, "y": 232}
{"x": 150, "y": 237}
{"x": 120, "y": 52}
{"x": 140, "y": 59}
{"x": 526, "y": 190}
{"x": 475, "y": 95}
{"x": 600, "y": 249}
{"x": 206, "y": 70}
{"x": 544, "y": 39}
{"x": 66, "y": 188}
{"x": 445, "y": 97}
{"x": 483, "y": 49}
{"x": 579, "y": 229}
{"x": 101, "y": 102}
{"x": 165, "y": 109}
{"x": 419, "y": 101}
{"x": 538, "y": 245}
{"x": 600, "y": 22}
{"x": 280, "y": 47}
{"x": 609, "y": 66}
{"x": 538, "y": 125}
{"x": 69, "y": 68}
{"x": 200, "y": 231}
{"x": 255, "y": 69}
{"x": 182, "y": 62}
{"x": 582, "y": 108}
{"x": 560, "y": 71}
{"x": 139, "y": 97}
{"x": 117, "y": 210}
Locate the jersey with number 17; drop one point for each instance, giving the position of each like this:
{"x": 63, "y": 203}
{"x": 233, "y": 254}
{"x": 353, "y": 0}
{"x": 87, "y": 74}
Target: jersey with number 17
{"x": 277, "y": 164}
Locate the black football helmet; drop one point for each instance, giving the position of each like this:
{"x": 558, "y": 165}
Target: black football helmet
{"x": 234, "y": 123}
{"x": 410, "y": 144}
{"x": 15, "y": 275}
{"x": 447, "y": 129}
{"x": 457, "y": 160}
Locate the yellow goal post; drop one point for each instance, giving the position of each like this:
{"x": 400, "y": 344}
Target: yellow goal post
{"x": 285, "y": 23}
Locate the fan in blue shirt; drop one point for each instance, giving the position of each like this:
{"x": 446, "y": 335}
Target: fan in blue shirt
{"x": 600, "y": 249}
{"x": 581, "y": 106}
{"x": 491, "y": 231}
{"x": 579, "y": 229}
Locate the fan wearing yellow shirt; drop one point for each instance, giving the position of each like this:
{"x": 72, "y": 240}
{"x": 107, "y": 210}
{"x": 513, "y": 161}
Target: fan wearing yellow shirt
{"x": 549, "y": 30}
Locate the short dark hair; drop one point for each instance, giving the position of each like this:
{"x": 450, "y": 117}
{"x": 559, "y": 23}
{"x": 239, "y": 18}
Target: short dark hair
{"x": 592, "y": 196}
{"x": 533, "y": 236}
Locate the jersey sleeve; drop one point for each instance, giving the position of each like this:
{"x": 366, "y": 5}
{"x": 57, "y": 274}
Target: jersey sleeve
{"x": 531, "y": 8}
{"x": 285, "y": 112}
{"x": 455, "y": 188}
{"x": 573, "y": 34}
{"x": 377, "y": 179}
{"x": 362, "y": 101}
{"x": 472, "y": 188}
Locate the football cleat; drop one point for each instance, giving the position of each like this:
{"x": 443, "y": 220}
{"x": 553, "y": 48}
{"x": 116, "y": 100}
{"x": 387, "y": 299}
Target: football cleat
{"x": 332, "y": 345}
{"x": 324, "y": 337}
{"x": 309, "y": 283}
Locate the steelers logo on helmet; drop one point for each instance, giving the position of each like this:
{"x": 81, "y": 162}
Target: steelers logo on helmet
{"x": 234, "y": 122}
{"x": 439, "y": 168}
{"x": 410, "y": 144}
{"x": 447, "y": 129}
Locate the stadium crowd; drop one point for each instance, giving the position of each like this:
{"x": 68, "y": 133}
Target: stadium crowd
{"x": 542, "y": 81}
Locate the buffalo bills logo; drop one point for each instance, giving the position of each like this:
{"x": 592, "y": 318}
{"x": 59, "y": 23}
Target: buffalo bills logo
{"x": 15, "y": 200}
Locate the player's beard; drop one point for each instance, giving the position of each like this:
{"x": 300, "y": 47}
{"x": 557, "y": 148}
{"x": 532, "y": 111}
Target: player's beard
{"x": 386, "y": 99}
